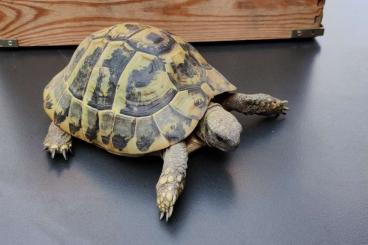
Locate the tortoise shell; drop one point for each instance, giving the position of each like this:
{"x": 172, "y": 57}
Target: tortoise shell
{"x": 132, "y": 89}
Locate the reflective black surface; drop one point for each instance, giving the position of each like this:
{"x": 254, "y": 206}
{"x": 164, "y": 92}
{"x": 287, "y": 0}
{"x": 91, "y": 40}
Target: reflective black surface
{"x": 302, "y": 179}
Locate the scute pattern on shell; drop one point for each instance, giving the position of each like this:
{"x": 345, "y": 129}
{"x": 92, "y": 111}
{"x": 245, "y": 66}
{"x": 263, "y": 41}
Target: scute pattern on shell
{"x": 133, "y": 89}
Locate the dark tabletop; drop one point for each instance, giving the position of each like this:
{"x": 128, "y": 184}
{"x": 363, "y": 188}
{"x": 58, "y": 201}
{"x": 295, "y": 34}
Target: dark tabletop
{"x": 300, "y": 179}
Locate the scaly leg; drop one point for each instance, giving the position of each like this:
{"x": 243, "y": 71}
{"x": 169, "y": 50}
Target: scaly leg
{"x": 259, "y": 104}
{"x": 171, "y": 182}
{"x": 57, "y": 141}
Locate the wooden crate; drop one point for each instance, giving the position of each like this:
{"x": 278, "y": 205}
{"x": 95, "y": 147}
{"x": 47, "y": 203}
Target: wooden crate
{"x": 67, "y": 22}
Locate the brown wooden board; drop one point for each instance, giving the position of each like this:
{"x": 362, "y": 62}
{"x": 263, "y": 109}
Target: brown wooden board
{"x": 67, "y": 22}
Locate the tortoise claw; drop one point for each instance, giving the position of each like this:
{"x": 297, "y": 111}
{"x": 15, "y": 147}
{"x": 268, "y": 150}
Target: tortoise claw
{"x": 52, "y": 153}
{"x": 166, "y": 197}
{"x": 284, "y": 107}
{"x": 168, "y": 215}
{"x": 64, "y": 154}
{"x": 57, "y": 142}
{"x": 278, "y": 107}
{"x": 62, "y": 149}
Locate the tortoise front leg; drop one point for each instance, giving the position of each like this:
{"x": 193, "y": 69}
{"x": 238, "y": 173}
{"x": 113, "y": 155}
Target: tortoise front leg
{"x": 57, "y": 141}
{"x": 171, "y": 182}
{"x": 259, "y": 104}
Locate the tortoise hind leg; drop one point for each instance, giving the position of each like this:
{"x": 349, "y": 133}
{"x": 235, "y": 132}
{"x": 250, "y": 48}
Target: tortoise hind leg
{"x": 57, "y": 141}
{"x": 171, "y": 182}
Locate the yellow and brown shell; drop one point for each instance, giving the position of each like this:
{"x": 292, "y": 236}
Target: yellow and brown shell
{"x": 132, "y": 89}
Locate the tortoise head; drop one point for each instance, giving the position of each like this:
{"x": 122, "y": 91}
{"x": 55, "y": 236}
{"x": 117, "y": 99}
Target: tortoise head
{"x": 219, "y": 128}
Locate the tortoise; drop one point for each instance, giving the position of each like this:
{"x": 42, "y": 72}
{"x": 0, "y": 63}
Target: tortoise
{"x": 134, "y": 89}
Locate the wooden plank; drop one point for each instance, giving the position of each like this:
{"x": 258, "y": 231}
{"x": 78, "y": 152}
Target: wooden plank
{"x": 67, "y": 22}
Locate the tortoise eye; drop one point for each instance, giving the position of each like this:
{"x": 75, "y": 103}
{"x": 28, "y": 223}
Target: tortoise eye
{"x": 219, "y": 138}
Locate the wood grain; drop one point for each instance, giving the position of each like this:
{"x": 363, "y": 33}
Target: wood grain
{"x": 66, "y": 22}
